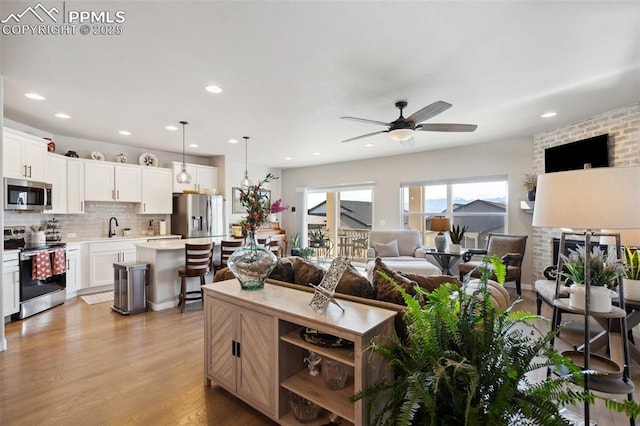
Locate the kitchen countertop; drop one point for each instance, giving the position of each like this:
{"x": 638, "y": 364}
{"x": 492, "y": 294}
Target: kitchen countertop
{"x": 119, "y": 238}
{"x": 177, "y": 244}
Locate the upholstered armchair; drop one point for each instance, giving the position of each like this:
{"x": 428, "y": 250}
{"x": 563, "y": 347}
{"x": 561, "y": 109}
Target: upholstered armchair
{"x": 509, "y": 248}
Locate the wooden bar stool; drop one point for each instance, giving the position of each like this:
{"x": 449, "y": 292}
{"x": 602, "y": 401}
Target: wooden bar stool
{"x": 227, "y": 247}
{"x": 197, "y": 264}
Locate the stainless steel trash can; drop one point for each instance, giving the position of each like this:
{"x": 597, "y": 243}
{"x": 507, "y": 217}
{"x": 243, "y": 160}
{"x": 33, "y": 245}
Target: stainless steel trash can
{"x": 130, "y": 281}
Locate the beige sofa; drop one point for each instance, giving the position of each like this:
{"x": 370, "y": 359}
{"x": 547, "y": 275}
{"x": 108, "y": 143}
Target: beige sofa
{"x": 400, "y": 250}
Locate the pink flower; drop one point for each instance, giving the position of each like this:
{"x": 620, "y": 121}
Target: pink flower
{"x": 277, "y": 207}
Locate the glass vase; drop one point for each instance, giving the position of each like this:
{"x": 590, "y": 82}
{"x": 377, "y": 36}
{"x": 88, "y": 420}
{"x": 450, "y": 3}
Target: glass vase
{"x": 251, "y": 263}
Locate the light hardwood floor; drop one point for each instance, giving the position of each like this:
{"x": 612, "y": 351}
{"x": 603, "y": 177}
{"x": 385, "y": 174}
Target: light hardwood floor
{"x": 81, "y": 364}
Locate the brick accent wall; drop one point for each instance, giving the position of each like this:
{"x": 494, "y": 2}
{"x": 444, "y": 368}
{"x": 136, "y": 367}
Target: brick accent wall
{"x": 623, "y": 127}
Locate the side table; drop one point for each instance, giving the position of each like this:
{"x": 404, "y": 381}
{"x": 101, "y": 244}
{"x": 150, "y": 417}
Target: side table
{"x": 445, "y": 259}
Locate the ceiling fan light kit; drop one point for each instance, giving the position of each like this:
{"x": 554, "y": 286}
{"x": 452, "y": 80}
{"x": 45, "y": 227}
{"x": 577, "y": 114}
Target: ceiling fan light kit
{"x": 402, "y": 129}
{"x": 183, "y": 176}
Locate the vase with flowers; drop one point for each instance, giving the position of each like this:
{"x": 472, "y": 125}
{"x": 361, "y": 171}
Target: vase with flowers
{"x": 252, "y": 263}
{"x": 604, "y": 272}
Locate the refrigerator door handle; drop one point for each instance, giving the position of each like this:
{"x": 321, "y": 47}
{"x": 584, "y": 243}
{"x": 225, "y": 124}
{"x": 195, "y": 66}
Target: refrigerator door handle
{"x": 209, "y": 217}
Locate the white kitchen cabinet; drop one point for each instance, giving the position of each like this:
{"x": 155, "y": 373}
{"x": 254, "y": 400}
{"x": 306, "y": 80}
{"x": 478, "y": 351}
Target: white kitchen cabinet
{"x": 24, "y": 156}
{"x": 103, "y": 255}
{"x": 157, "y": 197}
{"x": 75, "y": 186}
{"x": 74, "y": 269}
{"x": 203, "y": 178}
{"x": 10, "y": 284}
{"x": 112, "y": 182}
{"x": 57, "y": 177}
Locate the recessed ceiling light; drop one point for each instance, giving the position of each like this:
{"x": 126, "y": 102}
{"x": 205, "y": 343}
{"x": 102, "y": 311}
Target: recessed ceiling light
{"x": 213, "y": 89}
{"x": 171, "y": 127}
{"x": 549, "y": 114}
{"x": 316, "y": 153}
{"x": 194, "y": 145}
{"x": 368, "y": 145}
{"x": 125, "y": 132}
{"x": 62, "y": 115}
{"x": 35, "y": 96}
{"x": 233, "y": 141}
{"x": 288, "y": 158}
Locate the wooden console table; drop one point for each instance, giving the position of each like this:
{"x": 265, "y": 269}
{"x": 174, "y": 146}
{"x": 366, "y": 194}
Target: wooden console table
{"x": 253, "y": 349}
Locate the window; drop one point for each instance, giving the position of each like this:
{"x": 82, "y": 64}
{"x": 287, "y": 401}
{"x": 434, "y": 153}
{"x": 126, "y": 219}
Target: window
{"x": 480, "y": 204}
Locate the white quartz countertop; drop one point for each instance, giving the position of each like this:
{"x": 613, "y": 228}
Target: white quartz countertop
{"x": 176, "y": 244}
{"x": 119, "y": 238}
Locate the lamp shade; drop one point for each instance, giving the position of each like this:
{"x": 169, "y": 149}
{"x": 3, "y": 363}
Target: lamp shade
{"x": 589, "y": 199}
{"x": 440, "y": 224}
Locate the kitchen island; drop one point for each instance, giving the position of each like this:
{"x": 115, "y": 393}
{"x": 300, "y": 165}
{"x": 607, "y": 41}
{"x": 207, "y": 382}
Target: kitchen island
{"x": 164, "y": 258}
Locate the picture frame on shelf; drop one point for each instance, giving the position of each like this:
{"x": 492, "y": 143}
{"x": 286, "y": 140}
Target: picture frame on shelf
{"x": 236, "y": 205}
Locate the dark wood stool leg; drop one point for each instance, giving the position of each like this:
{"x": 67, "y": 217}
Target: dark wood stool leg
{"x": 183, "y": 294}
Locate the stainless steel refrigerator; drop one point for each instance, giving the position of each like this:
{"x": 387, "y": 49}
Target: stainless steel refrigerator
{"x": 198, "y": 215}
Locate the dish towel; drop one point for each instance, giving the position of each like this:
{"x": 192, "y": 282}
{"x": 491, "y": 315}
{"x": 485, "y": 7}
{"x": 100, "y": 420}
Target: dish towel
{"x": 59, "y": 262}
{"x": 41, "y": 266}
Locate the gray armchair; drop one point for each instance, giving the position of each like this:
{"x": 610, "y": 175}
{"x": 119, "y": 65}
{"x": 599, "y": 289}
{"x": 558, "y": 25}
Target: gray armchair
{"x": 509, "y": 248}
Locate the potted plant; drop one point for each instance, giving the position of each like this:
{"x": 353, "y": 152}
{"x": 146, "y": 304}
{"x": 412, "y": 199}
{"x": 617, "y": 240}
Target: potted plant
{"x": 632, "y": 273}
{"x": 456, "y": 234}
{"x": 306, "y": 252}
{"x": 317, "y": 238}
{"x": 605, "y": 269}
{"x": 465, "y": 362}
{"x": 295, "y": 244}
{"x": 530, "y": 183}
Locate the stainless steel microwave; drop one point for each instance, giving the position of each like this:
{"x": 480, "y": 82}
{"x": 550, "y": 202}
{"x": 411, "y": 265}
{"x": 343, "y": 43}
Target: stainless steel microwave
{"x": 26, "y": 195}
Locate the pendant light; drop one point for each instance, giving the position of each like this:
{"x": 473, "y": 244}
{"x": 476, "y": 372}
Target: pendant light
{"x": 183, "y": 176}
{"x": 246, "y": 182}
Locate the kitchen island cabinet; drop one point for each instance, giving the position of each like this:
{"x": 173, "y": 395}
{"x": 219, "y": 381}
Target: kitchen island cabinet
{"x": 10, "y": 283}
{"x": 164, "y": 258}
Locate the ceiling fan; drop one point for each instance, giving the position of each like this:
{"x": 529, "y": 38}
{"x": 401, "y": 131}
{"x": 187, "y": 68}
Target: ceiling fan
{"x": 402, "y": 129}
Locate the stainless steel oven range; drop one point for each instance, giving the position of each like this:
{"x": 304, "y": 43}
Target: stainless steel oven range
{"x": 47, "y": 287}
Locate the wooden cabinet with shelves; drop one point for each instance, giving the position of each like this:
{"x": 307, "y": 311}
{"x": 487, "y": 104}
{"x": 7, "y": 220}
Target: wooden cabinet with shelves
{"x": 269, "y": 338}
{"x": 25, "y": 156}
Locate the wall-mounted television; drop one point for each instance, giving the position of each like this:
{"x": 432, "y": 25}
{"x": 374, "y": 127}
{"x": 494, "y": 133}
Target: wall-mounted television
{"x": 575, "y": 155}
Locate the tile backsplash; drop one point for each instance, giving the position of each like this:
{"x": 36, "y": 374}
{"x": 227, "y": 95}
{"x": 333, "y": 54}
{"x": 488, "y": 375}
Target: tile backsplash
{"x": 94, "y": 222}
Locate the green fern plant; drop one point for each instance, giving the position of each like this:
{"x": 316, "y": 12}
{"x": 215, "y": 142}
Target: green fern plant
{"x": 464, "y": 362}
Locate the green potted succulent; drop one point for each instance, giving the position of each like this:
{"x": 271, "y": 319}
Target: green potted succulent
{"x": 605, "y": 269}
{"x": 456, "y": 234}
{"x": 306, "y": 252}
{"x": 465, "y": 362}
{"x": 317, "y": 238}
{"x": 632, "y": 273}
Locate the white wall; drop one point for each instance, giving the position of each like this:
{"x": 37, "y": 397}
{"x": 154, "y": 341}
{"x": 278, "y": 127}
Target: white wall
{"x": 509, "y": 157}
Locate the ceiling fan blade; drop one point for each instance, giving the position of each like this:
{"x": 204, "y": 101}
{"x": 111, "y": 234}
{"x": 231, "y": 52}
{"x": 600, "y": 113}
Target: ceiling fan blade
{"x": 429, "y": 111}
{"x": 365, "y": 136}
{"x": 446, "y": 127}
{"x": 364, "y": 120}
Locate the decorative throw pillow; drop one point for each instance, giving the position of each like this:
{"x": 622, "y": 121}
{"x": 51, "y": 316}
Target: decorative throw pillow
{"x": 385, "y": 291}
{"x": 354, "y": 284}
{"x": 432, "y": 282}
{"x": 223, "y": 275}
{"x": 497, "y": 293}
{"x": 283, "y": 271}
{"x": 305, "y": 272}
{"x": 387, "y": 250}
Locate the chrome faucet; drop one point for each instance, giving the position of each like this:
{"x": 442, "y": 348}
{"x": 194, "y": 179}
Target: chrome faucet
{"x": 112, "y": 231}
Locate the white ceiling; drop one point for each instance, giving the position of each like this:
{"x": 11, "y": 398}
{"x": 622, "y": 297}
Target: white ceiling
{"x": 289, "y": 70}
